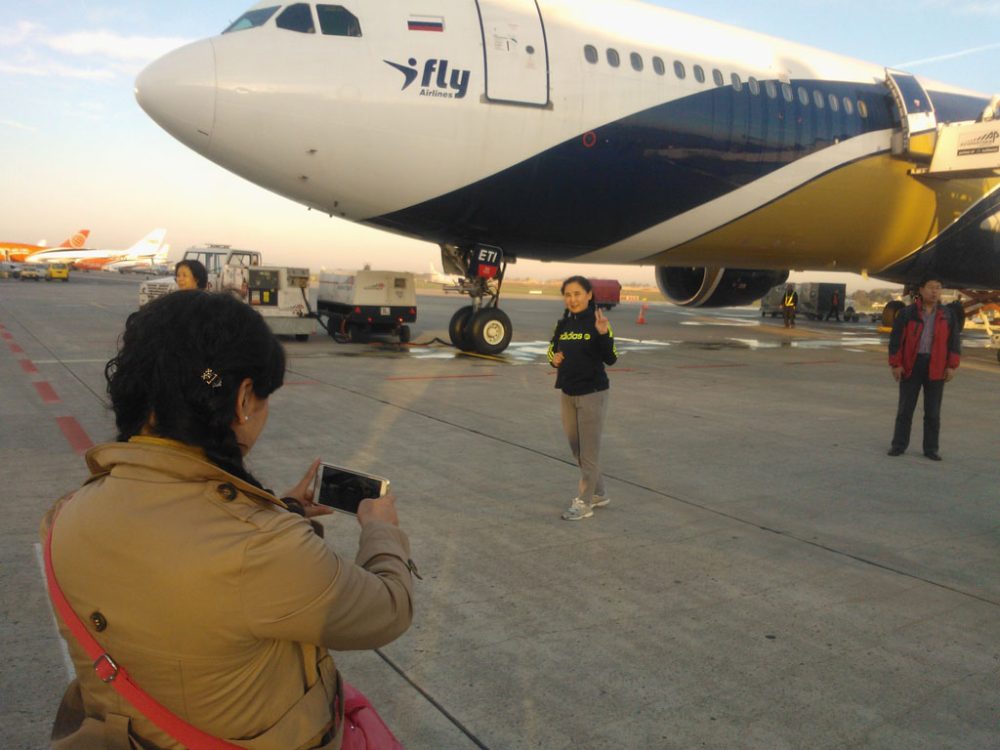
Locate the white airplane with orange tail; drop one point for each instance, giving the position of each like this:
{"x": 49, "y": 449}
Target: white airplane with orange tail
{"x": 95, "y": 259}
{"x": 18, "y": 252}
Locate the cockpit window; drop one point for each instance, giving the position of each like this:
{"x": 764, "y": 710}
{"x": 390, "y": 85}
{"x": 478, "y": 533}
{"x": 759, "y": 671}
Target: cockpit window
{"x": 336, "y": 20}
{"x": 297, "y": 17}
{"x": 251, "y": 19}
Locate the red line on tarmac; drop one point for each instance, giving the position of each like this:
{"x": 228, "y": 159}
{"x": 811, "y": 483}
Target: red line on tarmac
{"x": 816, "y": 362}
{"x": 705, "y": 367}
{"x": 27, "y": 365}
{"x": 440, "y": 377}
{"x": 6, "y": 335}
{"x": 15, "y": 348}
{"x": 47, "y": 392}
{"x": 77, "y": 437}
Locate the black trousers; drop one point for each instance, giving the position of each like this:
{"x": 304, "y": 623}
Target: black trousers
{"x": 909, "y": 392}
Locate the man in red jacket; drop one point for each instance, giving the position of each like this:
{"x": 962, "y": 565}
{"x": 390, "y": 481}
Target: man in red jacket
{"x": 924, "y": 352}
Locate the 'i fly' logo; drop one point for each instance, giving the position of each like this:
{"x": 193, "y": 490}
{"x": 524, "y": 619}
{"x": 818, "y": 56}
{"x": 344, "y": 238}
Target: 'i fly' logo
{"x": 435, "y": 80}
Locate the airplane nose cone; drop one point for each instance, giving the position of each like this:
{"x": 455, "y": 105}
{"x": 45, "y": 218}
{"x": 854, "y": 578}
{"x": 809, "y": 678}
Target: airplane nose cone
{"x": 178, "y": 92}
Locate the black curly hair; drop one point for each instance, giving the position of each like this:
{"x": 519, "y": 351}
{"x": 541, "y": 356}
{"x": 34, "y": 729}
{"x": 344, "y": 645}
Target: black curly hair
{"x": 159, "y": 379}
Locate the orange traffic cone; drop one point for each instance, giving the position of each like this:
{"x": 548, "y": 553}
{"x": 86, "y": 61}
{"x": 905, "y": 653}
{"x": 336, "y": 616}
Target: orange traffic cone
{"x": 641, "y": 320}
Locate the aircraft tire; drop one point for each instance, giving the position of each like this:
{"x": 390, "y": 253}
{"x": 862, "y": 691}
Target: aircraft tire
{"x": 458, "y": 327}
{"x": 490, "y": 331}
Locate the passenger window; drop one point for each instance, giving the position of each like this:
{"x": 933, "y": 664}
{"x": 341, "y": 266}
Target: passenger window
{"x": 613, "y": 59}
{"x": 336, "y": 20}
{"x": 818, "y": 99}
{"x": 297, "y": 17}
{"x": 753, "y": 85}
{"x": 834, "y": 104}
{"x": 679, "y": 69}
{"x": 862, "y": 109}
{"x": 636, "y": 60}
{"x": 737, "y": 83}
{"x": 251, "y": 19}
{"x": 848, "y": 106}
{"x": 699, "y": 74}
{"x": 803, "y": 96}
{"x": 658, "y": 66}
{"x": 786, "y": 91}
{"x": 590, "y": 54}
{"x": 772, "y": 90}
{"x": 718, "y": 78}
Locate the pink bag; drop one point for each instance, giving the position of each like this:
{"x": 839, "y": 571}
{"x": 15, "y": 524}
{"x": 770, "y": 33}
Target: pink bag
{"x": 363, "y": 727}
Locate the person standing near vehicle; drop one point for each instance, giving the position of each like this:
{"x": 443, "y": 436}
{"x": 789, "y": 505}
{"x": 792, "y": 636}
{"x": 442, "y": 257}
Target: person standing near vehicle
{"x": 924, "y": 352}
{"x": 834, "y": 306}
{"x": 583, "y": 343}
{"x": 789, "y": 304}
{"x": 190, "y": 274}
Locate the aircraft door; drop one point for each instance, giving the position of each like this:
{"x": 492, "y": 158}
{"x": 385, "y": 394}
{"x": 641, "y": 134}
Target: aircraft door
{"x": 515, "y": 51}
{"x": 916, "y": 110}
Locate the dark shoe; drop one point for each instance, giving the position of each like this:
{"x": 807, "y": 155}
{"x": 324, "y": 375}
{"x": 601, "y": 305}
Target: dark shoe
{"x": 897, "y": 451}
{"x": 932, "y": 455}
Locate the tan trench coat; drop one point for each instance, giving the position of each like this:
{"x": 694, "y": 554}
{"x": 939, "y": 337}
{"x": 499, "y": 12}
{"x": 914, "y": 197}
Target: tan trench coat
{"x": 219, "y": 602}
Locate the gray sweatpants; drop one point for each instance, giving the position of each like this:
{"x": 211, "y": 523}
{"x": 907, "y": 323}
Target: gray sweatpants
{"x": 583, "y": 421}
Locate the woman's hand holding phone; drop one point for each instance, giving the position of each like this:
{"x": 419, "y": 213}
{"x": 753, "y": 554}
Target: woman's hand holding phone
{"x": 303, "y": 492}
{"x": 378, "y": 509}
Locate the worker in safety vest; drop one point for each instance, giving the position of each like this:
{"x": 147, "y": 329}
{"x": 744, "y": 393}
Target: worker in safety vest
{"x": 789, "y": 304}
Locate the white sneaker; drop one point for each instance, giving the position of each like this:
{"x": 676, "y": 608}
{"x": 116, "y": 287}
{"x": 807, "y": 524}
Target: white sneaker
{"x": 577, "y": 511}
{"x": 600, "y": 501}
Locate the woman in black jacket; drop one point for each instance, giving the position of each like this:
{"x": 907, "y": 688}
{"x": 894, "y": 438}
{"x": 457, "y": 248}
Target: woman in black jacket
{"x": 581, "y": 345}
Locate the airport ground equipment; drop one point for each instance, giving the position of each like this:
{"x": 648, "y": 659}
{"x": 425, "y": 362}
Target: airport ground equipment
{"x": 607, "y": 292}
{"x": 280, "y": 294}
{"x": 815, "y": 299}
{"x": 57, "y": 272}
{"x": 982, "y": 313}
{"x": 367, "y": 302}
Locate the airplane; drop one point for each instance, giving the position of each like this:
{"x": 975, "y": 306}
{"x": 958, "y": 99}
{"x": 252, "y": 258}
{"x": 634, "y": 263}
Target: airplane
{"x": 451, "y": 281}
{"x": 594, "y": 131}
{"x": 144, "y": 264}
{"x": 17, "y": 252}
{"x": 90, "y": 259}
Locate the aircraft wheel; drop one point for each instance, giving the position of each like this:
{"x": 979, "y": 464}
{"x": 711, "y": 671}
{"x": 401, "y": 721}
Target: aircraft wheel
{"x": 890, "y": 311}
{"x": 458, "y": 326}
{"x": 404, "y": 334}
{"x": 490, "y": 330}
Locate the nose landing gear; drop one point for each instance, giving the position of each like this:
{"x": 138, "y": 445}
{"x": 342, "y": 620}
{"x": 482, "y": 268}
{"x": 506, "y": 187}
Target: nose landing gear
{"x": 481, "y": 327}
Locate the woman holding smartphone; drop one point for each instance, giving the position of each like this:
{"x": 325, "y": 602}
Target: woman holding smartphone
{"x": 215, "y": 595}
{"x": 583, "y": 343}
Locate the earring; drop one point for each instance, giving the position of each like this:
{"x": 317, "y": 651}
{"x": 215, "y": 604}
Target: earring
{"x": 246, "y": 419}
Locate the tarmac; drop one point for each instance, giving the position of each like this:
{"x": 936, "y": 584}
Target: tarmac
{"x": 765, "y": 576}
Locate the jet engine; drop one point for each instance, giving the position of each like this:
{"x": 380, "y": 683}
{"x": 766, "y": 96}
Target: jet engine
{"x": 715, "y": 287}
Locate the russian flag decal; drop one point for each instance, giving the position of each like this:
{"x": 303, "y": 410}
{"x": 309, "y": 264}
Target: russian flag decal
{"x": 425, "y": 23}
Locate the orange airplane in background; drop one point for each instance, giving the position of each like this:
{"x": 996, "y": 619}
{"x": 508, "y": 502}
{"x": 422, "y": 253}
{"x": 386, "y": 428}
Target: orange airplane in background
{"x": 18, "y": 252}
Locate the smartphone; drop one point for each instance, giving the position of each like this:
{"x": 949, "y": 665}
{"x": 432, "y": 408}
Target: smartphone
{"x": 344, "y": 489}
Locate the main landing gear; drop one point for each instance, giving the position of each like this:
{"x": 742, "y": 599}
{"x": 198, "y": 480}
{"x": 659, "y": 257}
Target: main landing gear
{"x": 481, "y": 327}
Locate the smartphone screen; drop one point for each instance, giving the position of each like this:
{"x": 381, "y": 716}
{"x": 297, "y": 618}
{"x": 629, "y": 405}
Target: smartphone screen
{"x": 344, "y": 490}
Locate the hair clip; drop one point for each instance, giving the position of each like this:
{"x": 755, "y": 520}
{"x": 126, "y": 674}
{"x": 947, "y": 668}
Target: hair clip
{"x": 212, "y": 378}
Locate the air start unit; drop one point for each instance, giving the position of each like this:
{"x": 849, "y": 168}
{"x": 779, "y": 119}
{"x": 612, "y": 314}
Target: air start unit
{"x": 367, "y": 302}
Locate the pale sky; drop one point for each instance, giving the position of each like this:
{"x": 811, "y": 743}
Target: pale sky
{"x": 77, "y": 151}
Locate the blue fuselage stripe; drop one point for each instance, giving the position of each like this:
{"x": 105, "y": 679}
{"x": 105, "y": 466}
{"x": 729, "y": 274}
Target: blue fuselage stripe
{"x": 629, "y": 175}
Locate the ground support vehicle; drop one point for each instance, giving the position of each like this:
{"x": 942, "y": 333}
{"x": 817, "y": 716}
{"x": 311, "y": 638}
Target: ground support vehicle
{"x": 279, "y": 294}
{"x": 607, "y": 292}
{"x": 815, "y": 299}
{"x": 57, "y": 272}
{"x": 31, "y": 273}
{"x": 359, "y": 305}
